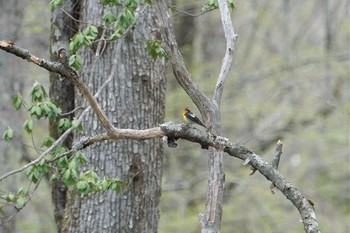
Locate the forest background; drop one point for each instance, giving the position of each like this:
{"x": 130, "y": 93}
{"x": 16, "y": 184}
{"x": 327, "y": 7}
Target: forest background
{"x": 289, "y": 81}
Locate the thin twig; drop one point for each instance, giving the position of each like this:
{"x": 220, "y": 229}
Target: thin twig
{"x": 71, "y": 112}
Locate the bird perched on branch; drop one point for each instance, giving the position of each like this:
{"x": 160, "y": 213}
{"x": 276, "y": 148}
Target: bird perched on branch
{"x": 190, "y": 117}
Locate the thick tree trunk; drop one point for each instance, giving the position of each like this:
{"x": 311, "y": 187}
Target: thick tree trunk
{"x": 63, "y": 28}
{"x": 134, "y": 98}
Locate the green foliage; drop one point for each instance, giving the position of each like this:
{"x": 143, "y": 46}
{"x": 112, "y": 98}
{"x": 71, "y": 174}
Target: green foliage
{"x": 149, "y": 2}
{"x": 155, "y": 49}
{"x": 76, "y": 42}
{"x": 17, "y": 101}
{"x": 75, "y": 61}
{"x": 213, "y": 4}
{"x": 85, "y": 182}
{"x": 19, "y": 199}
{"x": 38, "y": 93}
{"x": 55, "y": 3}
{"x": 90, "y": 182}
{"x": 116, "y": 34}
{"x": 45, "y": 109}
{"x": 28, "y": 126}
{"x": 110, "y": 3}
{"x": 231, "y": 5}
{"x": 76, "y": 124}
{"x": 35, "y": 172}
{"x": 108, "y": 18}
{"x": 47, "y": 142}
{"x": 63, "y": 125}
{"x": 125, "y": 19}
{"x": 8, "y": 134}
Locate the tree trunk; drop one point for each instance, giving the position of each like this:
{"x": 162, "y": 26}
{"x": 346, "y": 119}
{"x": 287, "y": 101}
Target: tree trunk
{"x": 61, "y": 92}
{"x": 134, "y": 98}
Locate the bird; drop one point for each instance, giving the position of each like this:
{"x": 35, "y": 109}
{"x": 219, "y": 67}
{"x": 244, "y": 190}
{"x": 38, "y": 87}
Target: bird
{"x": 190, "y": 117}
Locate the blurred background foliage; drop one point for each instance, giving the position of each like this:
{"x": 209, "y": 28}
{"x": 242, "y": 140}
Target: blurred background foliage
{"x": 290, "y": 80}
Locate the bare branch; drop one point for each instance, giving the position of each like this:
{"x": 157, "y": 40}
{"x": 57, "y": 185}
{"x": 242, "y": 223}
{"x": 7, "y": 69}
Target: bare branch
{"x": 37, "y": 160}
{"x": 230, "y": 45}
{"x": 64, "y": 71}
{"x": 181, "y": 73}
{"x": 291, "y": 192}
{"x": 278, "y": 153}
{"x": 276, "y": 161}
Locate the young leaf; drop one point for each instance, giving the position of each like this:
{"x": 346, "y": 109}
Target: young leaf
{"x": 38, "y": 92}
{"x": 8, "y": 134}
{"x": 108, "y": 18}
{"x": 55, "y": 3}
{"x": 17, "y": 101}
{"x": 75, "y": 61}
{"x": 28, "y": 125}
{"x": 47, "y": 142}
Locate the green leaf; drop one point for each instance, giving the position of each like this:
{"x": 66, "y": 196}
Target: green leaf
{"x": 131, "y": 4}
{"x": 9, "y": 197}
{"x": 116, "y": 34}
{"x": 111, "y": 2}
{"x": 8, "y": 134}
{"x": 63, "y": 124}
{"x": 80, "y": 158}
{"x": 33, "y": 174}
{"x": 76, "y": 42}
{"x": 54, "y": 109}
{"x": 148, "y": 2}
{"x": 62, "y": 163}
{"x": 125, "y": 19}
{"x": 20, "y": 202}
{"x": 47, "y": 142}
{"x": 231, "y": 5}
{"x": 54, "y": 178}
{"x": 82, "y": 186}
{"x": 91, "y": 31}
{"x": 23, "y": 191}
{"x": 104, "y": 184}
{"x": 55, "y": 3}
{"x": 38, "y": 92}
{"x": 75, "y": 123}
{"x": 210, "y": 5}
{"x": 17, "y": 101}
{"x": 155, "y": 49}
{"x": 28, "y": 125}
{"x": 108, "y": 18}
{"x": 75, "y": 61}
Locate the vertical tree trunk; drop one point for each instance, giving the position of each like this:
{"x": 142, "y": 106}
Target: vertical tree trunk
{"x": 63, "y": 28}
{"x": 11, "y": 13}
{"x": 134, "y": 98}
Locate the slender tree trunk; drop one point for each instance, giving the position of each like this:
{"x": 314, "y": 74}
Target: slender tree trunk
{"x": 11, "y": 13}
{"x": 134, "y": 98}
{"x": 63, "y": 28}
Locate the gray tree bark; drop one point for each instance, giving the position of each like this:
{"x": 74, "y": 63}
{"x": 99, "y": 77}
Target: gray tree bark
{"x": 63, "y": 28}
{"x": 134, "y": 98}
{"x": 11, "y": 13}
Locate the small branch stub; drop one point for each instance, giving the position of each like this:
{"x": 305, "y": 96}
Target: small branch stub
{"x": 276, "y": 161}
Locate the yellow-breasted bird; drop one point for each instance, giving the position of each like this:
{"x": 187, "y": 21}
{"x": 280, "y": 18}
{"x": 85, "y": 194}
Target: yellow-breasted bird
{"x": 190, "y": 117}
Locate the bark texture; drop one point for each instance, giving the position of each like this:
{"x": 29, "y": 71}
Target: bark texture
{"x": 63, "y": 28}
{"x": 134, "y": 98}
